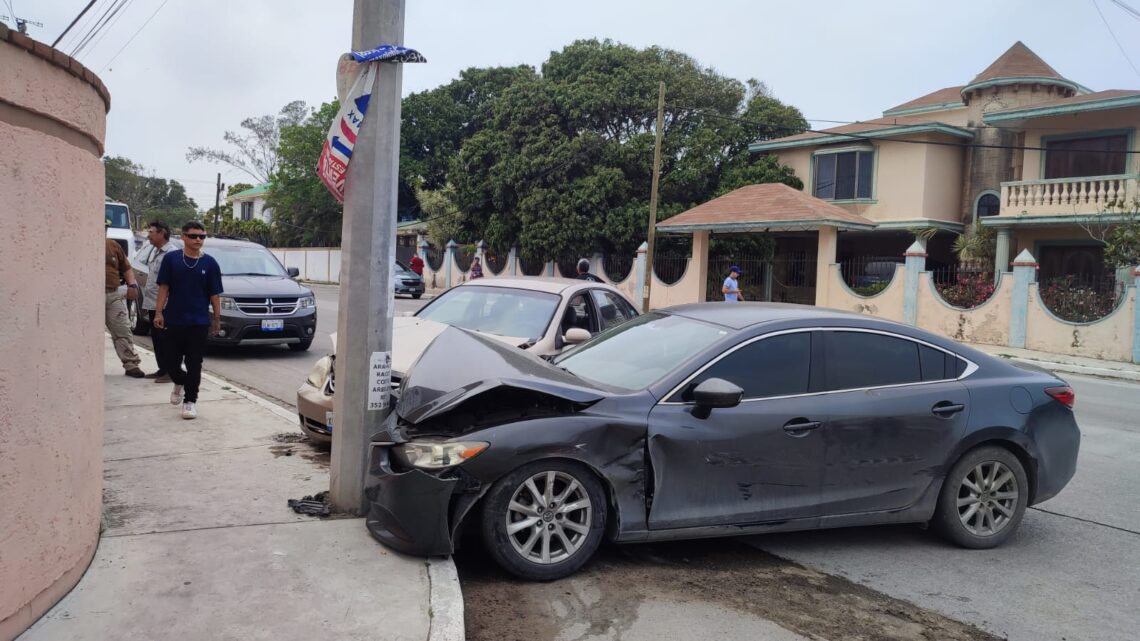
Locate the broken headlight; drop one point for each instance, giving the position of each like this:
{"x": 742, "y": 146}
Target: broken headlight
{"x": 436, "y": 455}
{"x": 320, "y": 372}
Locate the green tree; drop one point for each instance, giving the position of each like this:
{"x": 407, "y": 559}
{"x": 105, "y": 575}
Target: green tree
{"x": 304, "y": 212}
{"x": 256, "y": 150}
{"x": 564, "y": 164}
{"x": 148, "y": 196}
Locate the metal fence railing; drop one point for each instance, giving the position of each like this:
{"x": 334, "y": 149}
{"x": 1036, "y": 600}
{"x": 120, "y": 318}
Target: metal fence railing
{"x": 496, "y": 261}
{"x": 531, "y": 266}
{"x": 434, "y": 258}
{"x": 1081, "y": 298}
{"x": 964, "y": 286}
{"x": 618, "y": 266}
{"x": 868, "y": 275}
{"x": 789, "y": 278}
{"x": 670, "y": 267}
{"x": 463, "y": 256}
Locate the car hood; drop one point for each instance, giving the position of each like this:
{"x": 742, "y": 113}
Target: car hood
{"x": 411, "y": 336}
{"x": 461, "y": 366}
{"x": 268, "y": 286}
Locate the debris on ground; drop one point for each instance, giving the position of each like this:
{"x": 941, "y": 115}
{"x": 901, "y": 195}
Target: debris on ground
{"x": 315, "y": 504}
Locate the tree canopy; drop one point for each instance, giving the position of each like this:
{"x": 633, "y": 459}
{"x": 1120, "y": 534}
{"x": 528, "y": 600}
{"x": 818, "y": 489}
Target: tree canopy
{"x": 148, "y": 196}
{"x": 254, "y": 151}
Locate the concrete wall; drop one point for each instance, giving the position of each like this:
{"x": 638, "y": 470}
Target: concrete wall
{"x": 52, "y": 123}
{"x": 886, "y": 304}
{"x": 1110, "y": 338}
{"x": 987, "y": 323}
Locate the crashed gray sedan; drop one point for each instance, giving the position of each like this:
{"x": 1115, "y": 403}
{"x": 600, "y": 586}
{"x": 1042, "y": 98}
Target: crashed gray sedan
{"x": 713, "y": 420}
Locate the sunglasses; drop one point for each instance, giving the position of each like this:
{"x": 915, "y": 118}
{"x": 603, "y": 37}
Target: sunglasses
{"x": 195, "y": 236}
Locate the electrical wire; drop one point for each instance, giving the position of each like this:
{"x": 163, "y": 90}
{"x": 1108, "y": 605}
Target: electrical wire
{"x": 1120, "y": 3}
{"x": 81, "y": 13}
{"x": 110, "y": 26}
{"x": 1114, "y": 38}
{"x": 136, "y": 33}
{"x": 109, "y": 13}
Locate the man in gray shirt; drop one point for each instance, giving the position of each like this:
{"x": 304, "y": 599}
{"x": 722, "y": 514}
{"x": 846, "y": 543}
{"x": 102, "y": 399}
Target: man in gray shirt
{"x": 159, "y": 236}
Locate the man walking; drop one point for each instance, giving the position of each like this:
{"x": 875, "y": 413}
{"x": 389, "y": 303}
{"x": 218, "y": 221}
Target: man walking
{"x": 188, "y": 281}
{"x": 584, "y": 272}
{"x": 118, "y": 269}
{"x": 159, "y": 236}
{"x": 730, "y": 288}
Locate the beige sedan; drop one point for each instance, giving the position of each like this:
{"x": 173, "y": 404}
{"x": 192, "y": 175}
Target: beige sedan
{"x": 539, "y": 315}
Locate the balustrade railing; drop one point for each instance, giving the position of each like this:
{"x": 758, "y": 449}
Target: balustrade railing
{"x": 1068, "y": 195}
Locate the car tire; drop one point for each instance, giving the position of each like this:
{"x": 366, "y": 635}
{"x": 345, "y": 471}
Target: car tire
{"x": 303, "y": 346}
{"x": 983, "y": 498}
{"x": 137, "y": 318}
{"x": 416, "y": 296}
{"x": 546, "y": 532}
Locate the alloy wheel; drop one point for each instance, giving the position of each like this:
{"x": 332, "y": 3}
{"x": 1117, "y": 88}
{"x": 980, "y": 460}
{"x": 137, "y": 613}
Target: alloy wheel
{"x": 987, "y": 498}
{"x": 548, "y": 517}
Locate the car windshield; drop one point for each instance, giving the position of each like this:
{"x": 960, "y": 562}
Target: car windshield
{"x": 238, "y": 260}
{"x": 641, "y": 351}
{"x": 494, "y": 310}
{"x": 117, "y": 215}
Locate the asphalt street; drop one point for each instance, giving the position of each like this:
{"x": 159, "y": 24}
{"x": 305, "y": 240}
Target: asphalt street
{"x": 1070, "y": 574}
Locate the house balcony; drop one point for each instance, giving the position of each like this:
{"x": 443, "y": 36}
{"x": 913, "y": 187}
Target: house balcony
{"x": 1060, "y": 196}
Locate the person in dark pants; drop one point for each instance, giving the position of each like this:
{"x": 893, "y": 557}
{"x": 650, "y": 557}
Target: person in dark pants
{"x": 159, "y": 236}
{"x": 584, "y": 272}
{"x": 188, "y": 281}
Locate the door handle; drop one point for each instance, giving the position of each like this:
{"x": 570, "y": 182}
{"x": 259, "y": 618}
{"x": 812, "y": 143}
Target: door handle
{"x": 945, "y": 409}
{"x": 798, "y": 426}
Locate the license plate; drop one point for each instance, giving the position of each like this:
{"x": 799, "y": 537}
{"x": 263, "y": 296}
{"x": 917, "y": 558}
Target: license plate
{"x": 272, "y": 325}
{"x": 329, "y": 420}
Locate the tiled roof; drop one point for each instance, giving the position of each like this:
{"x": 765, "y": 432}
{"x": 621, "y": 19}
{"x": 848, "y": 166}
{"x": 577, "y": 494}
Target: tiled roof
{"x": 251, "y": 192}
{"x": 940, "y": 97}
{"x": 853, "y": 128}
{"x": 769, "y": 204}
{"x": 1017, "y": 62}
{"x": 887, "y": 127}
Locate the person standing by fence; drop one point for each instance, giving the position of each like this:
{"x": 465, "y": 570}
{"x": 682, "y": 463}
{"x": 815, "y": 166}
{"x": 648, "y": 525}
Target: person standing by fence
{"x": 731, "y": 288}
{"x": 118, "y": 270}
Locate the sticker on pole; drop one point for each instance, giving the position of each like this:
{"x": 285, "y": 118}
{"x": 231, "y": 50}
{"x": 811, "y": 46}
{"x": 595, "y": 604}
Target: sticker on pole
{"x": 379, "y": 380}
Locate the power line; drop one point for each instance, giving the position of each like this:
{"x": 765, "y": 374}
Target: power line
{"x": 89, "y": 5}
{"x": 1114, "y": 38}
{"x": 132, "y": 38}
{"x": 103, "y": 34}
{"x": 1120, "y": 3}
{"x": 108, "y": 13}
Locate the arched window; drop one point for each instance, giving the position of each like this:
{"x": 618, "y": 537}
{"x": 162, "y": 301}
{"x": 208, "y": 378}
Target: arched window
{"x": 988, "y": 204}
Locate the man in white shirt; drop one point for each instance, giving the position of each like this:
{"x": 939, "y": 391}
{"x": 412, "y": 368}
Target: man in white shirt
{"x": 159, "y": 236}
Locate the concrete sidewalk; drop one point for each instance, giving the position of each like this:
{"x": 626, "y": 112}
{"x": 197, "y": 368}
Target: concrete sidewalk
{"x": 198, "y": 542}
{"x": 1064, "y": 364}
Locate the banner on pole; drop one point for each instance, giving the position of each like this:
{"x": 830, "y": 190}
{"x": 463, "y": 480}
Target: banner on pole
{"x": 356, "y": 75}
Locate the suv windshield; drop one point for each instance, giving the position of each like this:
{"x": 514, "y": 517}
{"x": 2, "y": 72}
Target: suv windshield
{"x": 238, "y": 260}
{"x": 494, "y": 310}
{"x": 641, "y": 351}
{"x": 118, "y": 216}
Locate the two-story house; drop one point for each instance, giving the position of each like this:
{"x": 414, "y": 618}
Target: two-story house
{"x": 1030, "y": 153}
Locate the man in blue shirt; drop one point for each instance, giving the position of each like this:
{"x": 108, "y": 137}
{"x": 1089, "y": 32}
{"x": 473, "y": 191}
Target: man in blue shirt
{"x": 188, "y": 282}
{"x": 731, "y": 289}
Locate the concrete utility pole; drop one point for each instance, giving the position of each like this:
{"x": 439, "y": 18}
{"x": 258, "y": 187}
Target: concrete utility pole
{"x": 364, "y": 326}
{"x": 217, "y": 201}
{"x": 653, "y": 196}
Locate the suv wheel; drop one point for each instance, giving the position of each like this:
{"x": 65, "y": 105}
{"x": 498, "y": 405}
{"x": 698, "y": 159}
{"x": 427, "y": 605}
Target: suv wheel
{"x": 302, "y": 346}
{"x": 137, "y": 318}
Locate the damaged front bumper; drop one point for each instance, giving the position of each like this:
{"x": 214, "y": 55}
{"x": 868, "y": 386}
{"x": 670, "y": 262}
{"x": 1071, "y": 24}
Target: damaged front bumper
{"x": 409, "y": 510}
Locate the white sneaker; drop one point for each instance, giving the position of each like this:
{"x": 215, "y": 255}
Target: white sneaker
{"x": 189, "y": 411}
{"x": 176, "y": 395}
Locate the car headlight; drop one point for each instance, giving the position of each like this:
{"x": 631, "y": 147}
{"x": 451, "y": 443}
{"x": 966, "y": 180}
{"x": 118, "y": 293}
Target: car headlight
{"x": 228, "y": 303}
{"x": 307, "y": 301}
{"x": 436, "y": 455}
{"x": 320, "y": 372}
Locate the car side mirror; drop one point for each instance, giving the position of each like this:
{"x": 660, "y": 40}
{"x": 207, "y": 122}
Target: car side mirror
{"x": 293, "y": 272}
{"x": 715, "y": 393}
{"x": 576, "y": 335}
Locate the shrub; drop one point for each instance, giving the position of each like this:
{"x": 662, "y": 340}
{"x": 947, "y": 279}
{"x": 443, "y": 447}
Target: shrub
{"x": 1077, "y": 302}
{"x": 968, "y": 290}
{"x": 870, "y": 290}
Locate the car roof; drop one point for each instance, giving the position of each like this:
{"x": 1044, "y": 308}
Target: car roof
{"x": 741, "y": 315}
{"x": 551, "y": 285}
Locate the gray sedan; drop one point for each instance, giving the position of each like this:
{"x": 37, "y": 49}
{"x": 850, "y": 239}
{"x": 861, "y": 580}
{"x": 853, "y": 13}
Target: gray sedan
{"x": 713, "y": 420}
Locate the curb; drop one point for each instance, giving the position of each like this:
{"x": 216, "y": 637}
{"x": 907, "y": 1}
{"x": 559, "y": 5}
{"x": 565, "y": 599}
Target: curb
{"x": 445, "y": 601}
{"x": 1073, "y": 368}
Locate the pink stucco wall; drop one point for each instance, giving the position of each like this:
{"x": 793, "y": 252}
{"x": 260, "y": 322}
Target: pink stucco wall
{"x": 51, "y": 345}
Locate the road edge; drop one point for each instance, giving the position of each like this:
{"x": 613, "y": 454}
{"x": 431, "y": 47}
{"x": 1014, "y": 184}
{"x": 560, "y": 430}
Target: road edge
{"x": 445, "y": 599}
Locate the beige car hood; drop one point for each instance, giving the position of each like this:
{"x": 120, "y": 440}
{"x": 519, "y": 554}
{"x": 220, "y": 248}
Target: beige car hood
{"x": 411, "y": 336}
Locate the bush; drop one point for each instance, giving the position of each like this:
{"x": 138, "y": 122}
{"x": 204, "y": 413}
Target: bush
{"x": 969, "y": 290}
{"x": 870, "y": 290}
{"x": 1075, "y": 302}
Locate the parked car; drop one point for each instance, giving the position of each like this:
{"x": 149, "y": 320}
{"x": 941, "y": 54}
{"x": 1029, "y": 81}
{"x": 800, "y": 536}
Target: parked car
{"x": 261, "y": 303}
{"x": 406, "y": 281}
{"x": 713, "y": 420}
{"x": 541, "y": 316}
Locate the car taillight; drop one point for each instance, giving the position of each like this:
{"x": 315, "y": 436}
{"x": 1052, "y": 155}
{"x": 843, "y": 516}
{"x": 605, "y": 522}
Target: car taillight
{"x": 1063, "y": 395}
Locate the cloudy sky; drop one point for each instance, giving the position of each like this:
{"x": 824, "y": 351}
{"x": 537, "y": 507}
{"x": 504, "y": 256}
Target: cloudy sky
{"x": 199, "y": 66}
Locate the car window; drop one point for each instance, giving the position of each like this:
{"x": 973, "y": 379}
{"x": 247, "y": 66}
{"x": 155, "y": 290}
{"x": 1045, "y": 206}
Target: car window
{"x": 855, "y": 360}
{"x": 245, "y": 260}
{"x": 612, "y": 310}
{"x": 495, "y": 310}
{"x": 938, "y": 365}
{"x": 579, "y": 314}
{"x": 774, "y": 366}
{"x": 642, "y": 351}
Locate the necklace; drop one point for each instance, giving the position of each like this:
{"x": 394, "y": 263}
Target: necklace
{"x": 188, "y": 265}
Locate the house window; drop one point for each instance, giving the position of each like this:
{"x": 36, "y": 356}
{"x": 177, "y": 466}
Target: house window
{"x": 1092, "y": 156}
{"x": 988, "y": 205}
{"x": 844, "y": 176}
{"x": 247, "y": 211}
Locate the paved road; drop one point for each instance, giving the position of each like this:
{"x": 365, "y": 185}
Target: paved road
{"x": 1070, "y": 574}
{"x": 276, "y": 371}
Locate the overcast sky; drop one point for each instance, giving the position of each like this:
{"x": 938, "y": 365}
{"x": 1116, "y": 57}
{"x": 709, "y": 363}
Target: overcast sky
{"x": 200, "y": 66}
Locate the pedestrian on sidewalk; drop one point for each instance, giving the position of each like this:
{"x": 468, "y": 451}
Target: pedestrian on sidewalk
{"x": 731, "y": 288}
{"x": 159, "y": 236}
{"x": 417, "y": 264}
{"x": 584, "y": 271}
{"x": 476, "y": 270}
{"x": 188, "y": 281}
{"x": 118, "y": 269}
